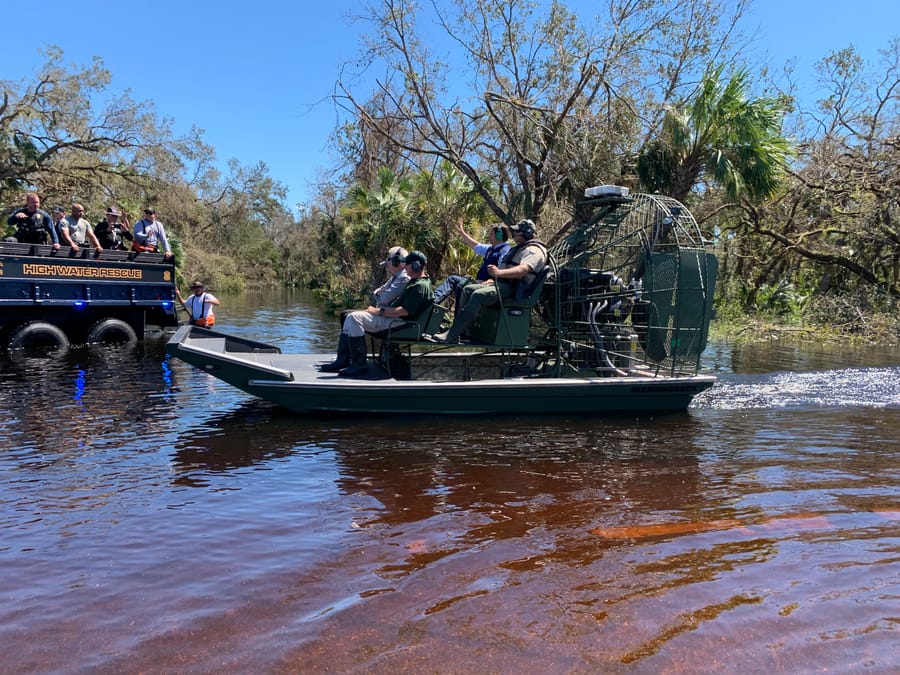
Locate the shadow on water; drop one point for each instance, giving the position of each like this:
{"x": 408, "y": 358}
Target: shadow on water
{"x": 104, "y": 395}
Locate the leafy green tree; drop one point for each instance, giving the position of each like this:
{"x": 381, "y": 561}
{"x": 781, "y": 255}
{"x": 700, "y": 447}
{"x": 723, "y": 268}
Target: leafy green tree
{"x": 550, "y": 101}
{"x": 57, "y": 136}
{"x": 68, "y": 136}
{"x": 720, "y": 137}
{"x": 836, "y": 227}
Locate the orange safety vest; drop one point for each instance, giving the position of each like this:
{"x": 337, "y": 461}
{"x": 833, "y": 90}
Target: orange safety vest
{"x": 203, "y": 321}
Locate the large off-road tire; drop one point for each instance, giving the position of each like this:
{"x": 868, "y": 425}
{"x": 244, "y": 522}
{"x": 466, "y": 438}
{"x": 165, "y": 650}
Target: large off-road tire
{"x": 111, "y": 331}
{"x": 39, "y": 336}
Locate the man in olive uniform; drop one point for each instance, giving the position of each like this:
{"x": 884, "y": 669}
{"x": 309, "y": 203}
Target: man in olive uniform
{"x": 520, "y": 266}
{"x": 413, "y": 299}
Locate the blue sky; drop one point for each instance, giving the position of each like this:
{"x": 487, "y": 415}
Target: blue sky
{"x": 256, "y": 76}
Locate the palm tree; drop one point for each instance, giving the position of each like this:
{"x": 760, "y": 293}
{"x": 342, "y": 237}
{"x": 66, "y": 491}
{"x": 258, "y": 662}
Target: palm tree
{"x": 379, "y": 216}
{"x": 721, "y": 136}
{"x": 444, "y": 195}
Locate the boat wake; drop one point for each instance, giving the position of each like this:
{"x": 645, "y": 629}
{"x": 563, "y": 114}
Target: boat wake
{"x": 850, "y": 387}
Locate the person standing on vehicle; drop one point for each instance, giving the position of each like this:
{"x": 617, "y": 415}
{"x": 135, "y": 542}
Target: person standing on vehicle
{"x": 199, "y": 306}
{"x": 59, "y": 219}
{"x": 76, "y": 231}
{"x": 112, "y": 234}
{"x": 150, "y": 235}
{"x": 33, "y": 225}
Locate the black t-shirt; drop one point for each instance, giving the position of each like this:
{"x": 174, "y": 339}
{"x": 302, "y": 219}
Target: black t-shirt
{"x": 112, "y": 236}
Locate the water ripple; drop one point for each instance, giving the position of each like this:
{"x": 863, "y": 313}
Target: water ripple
{"x": 848, "y": 387}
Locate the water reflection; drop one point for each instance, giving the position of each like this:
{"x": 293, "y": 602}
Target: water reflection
{"x": 490, "y": 487}
{"x": 796, "y": 356}
{"x": 222, "y": 533}
{"x": 254, "y": 434}
{"x": 87, "y": 397}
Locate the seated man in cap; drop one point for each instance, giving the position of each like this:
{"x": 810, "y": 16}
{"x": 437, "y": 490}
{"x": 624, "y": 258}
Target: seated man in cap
{"x": 391, "y": 289}
{"x": 385, "y": 294}
{"x": 520, "y": 266}
{"x": 199, "y": 306}
{"x": 351, "y": 360}
{"x": 111, "y": 233}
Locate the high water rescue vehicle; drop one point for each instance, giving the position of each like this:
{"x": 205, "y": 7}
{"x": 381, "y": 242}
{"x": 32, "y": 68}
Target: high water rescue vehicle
{"x": 57, "y": 298}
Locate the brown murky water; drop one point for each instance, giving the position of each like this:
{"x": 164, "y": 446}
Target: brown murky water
{"x": 156, "y": 520}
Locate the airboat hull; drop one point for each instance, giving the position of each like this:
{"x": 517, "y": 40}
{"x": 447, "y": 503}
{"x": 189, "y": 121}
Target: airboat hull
{"x": 294, "y": 382}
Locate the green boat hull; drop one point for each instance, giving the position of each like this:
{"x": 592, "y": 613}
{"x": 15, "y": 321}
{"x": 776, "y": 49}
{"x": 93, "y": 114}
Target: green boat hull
{"x": 293, "y": 382}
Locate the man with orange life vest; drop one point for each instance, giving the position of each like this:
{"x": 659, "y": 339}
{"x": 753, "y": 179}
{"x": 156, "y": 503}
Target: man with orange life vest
{"x": 150, "y": 235}
{"x": 199, "y": 306}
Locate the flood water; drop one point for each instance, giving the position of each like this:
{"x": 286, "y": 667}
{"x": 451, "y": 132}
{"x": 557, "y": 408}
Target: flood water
{"x": 157, "y": 520}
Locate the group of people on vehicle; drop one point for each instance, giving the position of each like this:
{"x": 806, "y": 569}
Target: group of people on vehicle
{"x": 35, "y": 226}
{"x": 506, "y": 268}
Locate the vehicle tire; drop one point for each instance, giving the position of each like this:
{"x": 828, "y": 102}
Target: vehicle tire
{"x": 39, "y": 336}
{"x": 111, "y": 331}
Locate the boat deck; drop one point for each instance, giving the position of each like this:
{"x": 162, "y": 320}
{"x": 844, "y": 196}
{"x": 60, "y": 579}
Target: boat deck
{"x": 445, "y": 382}
{"x": 440, "y": 365}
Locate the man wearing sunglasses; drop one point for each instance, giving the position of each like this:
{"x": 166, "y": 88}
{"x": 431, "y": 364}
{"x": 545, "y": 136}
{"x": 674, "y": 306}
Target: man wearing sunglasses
{"x": 150, "y": 235}
{"x": 75, "y": 231}
{"x": 417, "y": 294}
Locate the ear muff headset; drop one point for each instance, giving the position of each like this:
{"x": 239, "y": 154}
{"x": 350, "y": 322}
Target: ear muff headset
{"x": 416, "y": 266}
{"x": 395, "y": 260}
{"x": 500, "y": 234}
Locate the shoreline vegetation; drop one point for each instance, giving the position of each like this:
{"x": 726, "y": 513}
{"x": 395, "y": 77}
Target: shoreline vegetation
{"x": 878, "y": 329}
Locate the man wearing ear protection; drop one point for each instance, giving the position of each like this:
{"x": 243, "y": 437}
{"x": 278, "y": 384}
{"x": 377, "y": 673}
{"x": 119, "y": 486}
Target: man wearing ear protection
{"x": 520, "y": 266}
{"x": 382, "y": 296}
{"x": 414, "y": 298}
{"x": 393, "y": 287}
{"x": 492, "y": 252}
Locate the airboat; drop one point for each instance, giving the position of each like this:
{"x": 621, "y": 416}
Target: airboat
{"x": 616, "y": 323}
